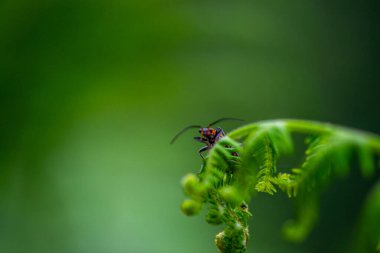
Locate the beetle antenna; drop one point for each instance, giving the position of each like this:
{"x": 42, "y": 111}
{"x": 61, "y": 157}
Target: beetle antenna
{"x": 223, "y": 119}
{"x": 182, "y": 131}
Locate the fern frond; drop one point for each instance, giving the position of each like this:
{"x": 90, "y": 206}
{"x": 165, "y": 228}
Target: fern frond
{"x": 296, "y": 230}
{"x": 366, "y": 160}
{"x": 220, "y": 162}
{"x": 264, "y": 154}
{"x": 227, "y": 180}
{"x": 326, "y": 156}
{"x": 368, "y": 237}
{"x": 262, "y": 149}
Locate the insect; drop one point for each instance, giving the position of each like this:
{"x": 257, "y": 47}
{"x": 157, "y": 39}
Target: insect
{"x": 209, "y": 136}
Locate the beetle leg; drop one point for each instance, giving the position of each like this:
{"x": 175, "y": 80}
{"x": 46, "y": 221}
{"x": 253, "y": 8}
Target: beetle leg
{"x": 219, "y": 134}
{"x": 200, "y": 139}
{"x": 203, "y": 149}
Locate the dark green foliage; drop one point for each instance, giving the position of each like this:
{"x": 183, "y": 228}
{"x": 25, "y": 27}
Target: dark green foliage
{"x": 227, "y": 181}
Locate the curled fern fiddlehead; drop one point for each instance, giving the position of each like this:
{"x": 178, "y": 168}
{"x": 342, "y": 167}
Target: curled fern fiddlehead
{"x": 226, "y": 181}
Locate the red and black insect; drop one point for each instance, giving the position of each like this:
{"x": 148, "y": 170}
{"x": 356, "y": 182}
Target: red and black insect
{"x": 209, "y": 135}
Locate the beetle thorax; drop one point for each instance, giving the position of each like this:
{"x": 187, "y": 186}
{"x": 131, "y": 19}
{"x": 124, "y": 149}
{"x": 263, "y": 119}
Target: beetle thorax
{"x": 208, "y": 132}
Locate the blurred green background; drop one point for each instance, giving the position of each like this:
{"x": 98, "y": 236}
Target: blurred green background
{"x": 91, "y": 92}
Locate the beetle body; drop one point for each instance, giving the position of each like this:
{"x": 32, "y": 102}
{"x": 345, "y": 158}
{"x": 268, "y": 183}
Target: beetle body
{"x": 209, "y": 136}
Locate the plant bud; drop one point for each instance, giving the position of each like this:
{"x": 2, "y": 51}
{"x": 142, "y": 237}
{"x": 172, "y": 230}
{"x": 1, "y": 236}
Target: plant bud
{"x": 191, "y": 207}
{"x": 192, "y": 187}
{"x": 190, "y": 183}
{"x": 230, "y": 195}
{"x": 214, "y": 217}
